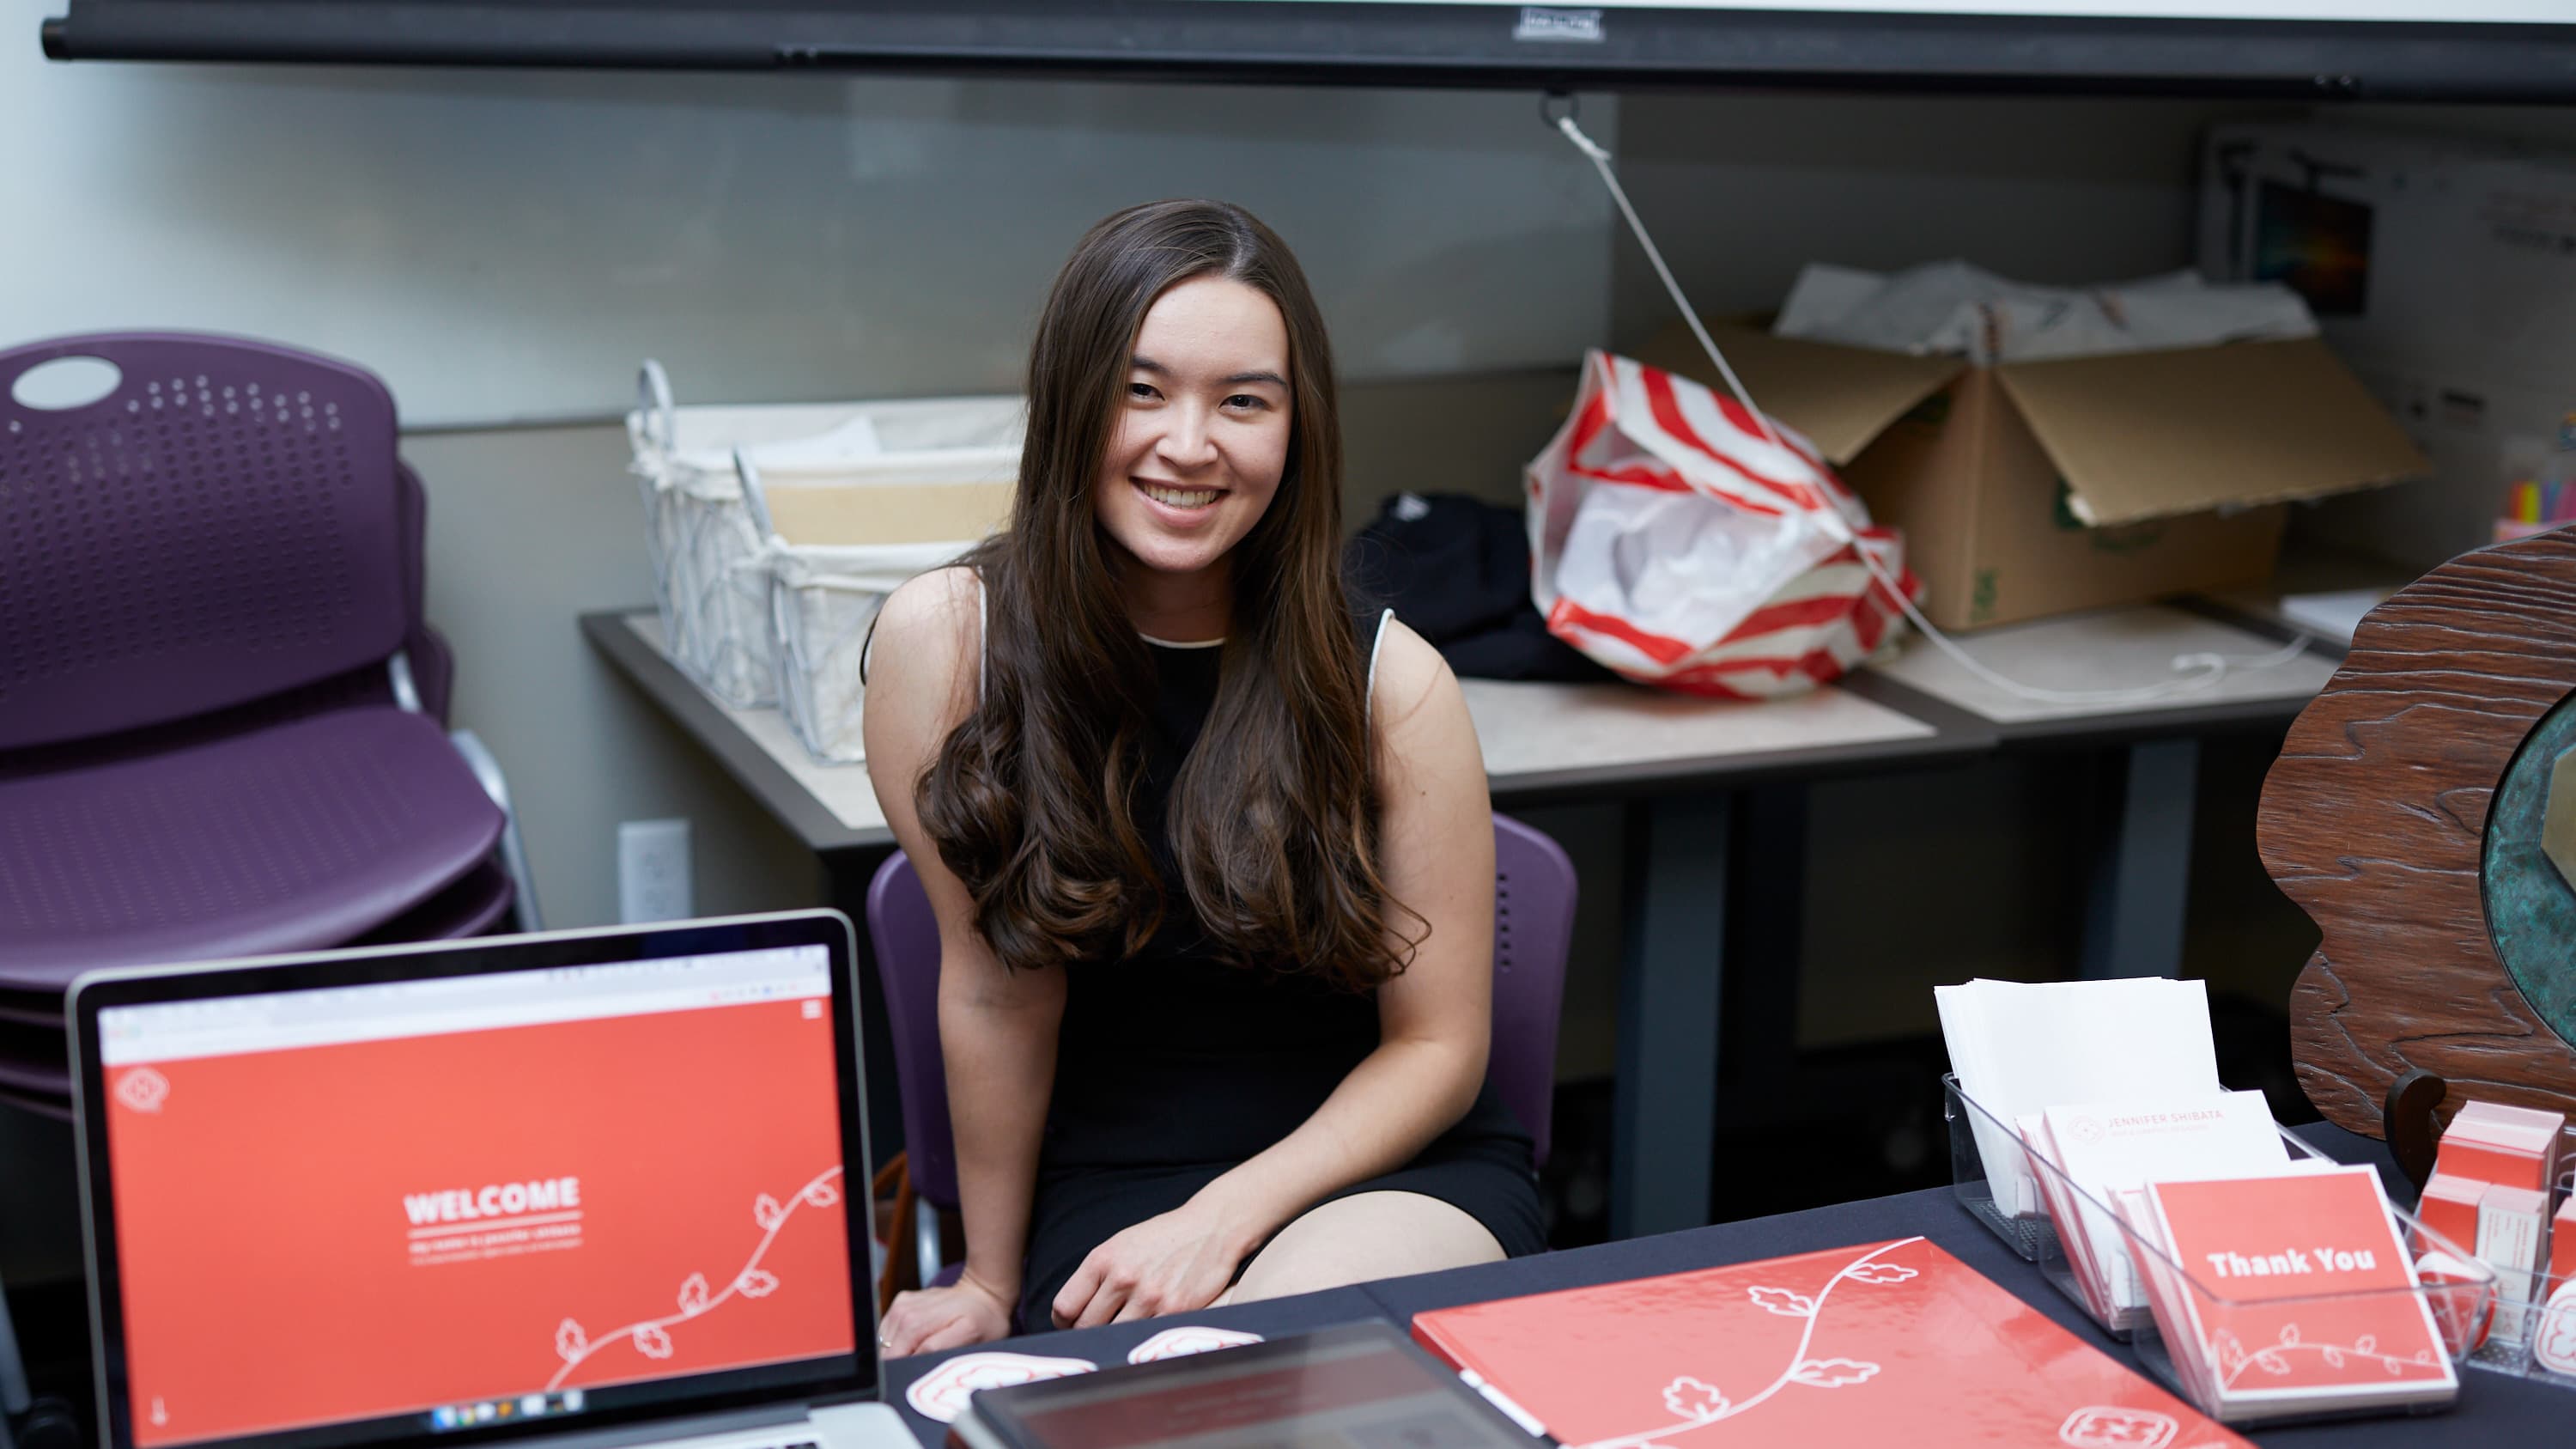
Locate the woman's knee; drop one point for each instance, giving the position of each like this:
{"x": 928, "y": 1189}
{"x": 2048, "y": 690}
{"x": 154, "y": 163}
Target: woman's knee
{"x": 1364, "y": 1237}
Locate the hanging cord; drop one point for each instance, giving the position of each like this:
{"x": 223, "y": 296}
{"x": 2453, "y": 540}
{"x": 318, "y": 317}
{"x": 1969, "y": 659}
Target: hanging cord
{"x": 2203, "y": 670}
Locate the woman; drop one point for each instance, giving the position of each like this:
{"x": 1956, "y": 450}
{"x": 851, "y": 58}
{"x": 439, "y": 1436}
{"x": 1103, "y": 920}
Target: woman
{"x": 1211, "y": 856}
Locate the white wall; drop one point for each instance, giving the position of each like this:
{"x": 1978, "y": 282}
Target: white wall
{"x": 1742, "y": 190}
{"x": 503, "y": 246}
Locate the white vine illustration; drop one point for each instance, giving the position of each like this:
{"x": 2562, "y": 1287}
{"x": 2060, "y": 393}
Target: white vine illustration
{"x": 2274, "y": 1359}
{"x": 1696, "y": 1405}
{"x": 652, "y": 1337}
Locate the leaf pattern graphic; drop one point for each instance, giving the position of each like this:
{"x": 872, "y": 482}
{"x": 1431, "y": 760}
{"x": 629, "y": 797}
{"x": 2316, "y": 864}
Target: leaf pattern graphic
{"x": 1692, "y": 1399}
{"x": 1833, "y": 1373}
{"x": 2289, "y": 1335}
{"x": 2271, "y": 1361}
{"x": 1784, "y": 1302}
{"x": 697, "y": 1295}
{"x": 1880, "y": 1273}
{"x": 2334, "y": 1356}
{"x": 2367, "y": 1343}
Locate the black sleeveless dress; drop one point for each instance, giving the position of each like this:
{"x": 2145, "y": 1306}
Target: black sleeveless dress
{"x": 1173, "y": 1068}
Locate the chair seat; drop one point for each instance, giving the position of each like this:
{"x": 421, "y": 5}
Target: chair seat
{"x": 35, "y": 1105}
{"x": 36, "y": 1080}
{"x": 302, "y": 836}
{"x": 467, "y": 908}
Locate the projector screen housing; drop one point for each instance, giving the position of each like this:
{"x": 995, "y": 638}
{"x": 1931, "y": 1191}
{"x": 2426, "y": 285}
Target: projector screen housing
{"x": 2491, "y": 50}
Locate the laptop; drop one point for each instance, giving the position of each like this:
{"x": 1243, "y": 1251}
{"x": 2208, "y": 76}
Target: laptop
{"x": 583, "y": 1188}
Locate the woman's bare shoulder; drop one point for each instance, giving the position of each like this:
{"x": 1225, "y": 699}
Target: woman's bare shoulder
{"x": 1411, "y": 678}
{"x": 936, "y": 612}
{"x": 922, "y": 661}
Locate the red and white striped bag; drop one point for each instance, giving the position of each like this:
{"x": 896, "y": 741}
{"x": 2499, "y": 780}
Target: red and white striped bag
{"x": 1675, "y": 541}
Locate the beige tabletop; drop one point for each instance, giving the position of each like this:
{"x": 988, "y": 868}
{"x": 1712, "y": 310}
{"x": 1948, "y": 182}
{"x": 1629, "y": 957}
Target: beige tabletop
{"x": 2105, "y": 653}
{"x": 1530, "y": 730}
{"x": 1532, "y": 734}
{"x": 842, "y": 789}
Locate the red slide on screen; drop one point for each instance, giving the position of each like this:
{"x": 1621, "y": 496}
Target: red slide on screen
{"x": 349, "y": 1231}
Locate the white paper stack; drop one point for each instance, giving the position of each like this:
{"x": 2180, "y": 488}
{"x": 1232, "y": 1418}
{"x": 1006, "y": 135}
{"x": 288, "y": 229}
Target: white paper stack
{"x": 2021, "y": 1048}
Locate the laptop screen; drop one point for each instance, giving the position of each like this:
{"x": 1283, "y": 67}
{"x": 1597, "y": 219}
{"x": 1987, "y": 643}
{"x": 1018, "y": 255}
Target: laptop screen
{"x": 468, "y": 1202}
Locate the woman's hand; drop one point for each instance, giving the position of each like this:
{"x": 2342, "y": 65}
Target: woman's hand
{"x": 931, "y": 1319}
{"x": 1174, "y": 1263}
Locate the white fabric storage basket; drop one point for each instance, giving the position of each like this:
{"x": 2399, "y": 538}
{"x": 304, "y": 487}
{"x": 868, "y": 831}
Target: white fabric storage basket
{"x": 823, "y": 598}
{"x": 709, "y": 580}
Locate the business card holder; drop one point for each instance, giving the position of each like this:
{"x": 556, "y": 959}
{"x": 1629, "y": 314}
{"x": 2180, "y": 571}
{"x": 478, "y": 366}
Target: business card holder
{"x": 2460, "y": 1305}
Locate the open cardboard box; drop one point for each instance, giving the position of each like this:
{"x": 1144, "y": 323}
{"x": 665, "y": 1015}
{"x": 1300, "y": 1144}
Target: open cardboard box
{"x": 2037, "y": 488}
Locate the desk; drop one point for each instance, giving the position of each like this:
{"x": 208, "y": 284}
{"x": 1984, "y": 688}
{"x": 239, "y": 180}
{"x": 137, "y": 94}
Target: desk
{"x": 1674, "y": 763}
{"x": 2134, "y": 910}
{"x": 1677, "y": 767}
{"x": 2493, "y": 1408}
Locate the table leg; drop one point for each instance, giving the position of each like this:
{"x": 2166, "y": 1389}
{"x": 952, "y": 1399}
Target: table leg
{"x": 1765, "y": 931}
{"x": 1664, "y": 1107}
{"x": 2133, "y": 917}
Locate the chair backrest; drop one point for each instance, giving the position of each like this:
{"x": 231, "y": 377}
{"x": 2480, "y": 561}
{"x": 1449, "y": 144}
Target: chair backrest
{"x": 905, "y": 934}
{"x": 1534, "y": 895}
{"x": 224, "y": 524}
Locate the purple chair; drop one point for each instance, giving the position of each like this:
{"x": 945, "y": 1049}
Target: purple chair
{"x": 220, "y": 710}
{"x": 1534, "y": 895}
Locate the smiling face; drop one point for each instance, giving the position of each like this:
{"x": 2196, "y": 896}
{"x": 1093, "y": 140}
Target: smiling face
{"x": 1201, "y": 433}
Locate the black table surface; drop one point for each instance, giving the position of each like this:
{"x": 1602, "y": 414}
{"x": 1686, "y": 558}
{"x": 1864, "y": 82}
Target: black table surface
{"x": 2493, "y": 1408}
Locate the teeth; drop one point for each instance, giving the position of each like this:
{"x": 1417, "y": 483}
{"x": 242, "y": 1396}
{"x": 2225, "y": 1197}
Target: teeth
{"x": 1181, "y": 497}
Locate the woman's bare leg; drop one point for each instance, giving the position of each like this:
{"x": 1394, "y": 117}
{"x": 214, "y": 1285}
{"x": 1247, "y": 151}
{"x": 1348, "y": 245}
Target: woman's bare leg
{"x": 1357, "y": 1239}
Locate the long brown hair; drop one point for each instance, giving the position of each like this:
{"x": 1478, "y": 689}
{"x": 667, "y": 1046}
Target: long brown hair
{"x": 1273, "y": 819}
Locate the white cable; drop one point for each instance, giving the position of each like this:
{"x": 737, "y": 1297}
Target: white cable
{"x": 2205, "y": 669}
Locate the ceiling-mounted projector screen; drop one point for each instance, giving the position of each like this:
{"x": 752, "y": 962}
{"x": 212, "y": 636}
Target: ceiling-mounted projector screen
{"x": 2391, "y": 49}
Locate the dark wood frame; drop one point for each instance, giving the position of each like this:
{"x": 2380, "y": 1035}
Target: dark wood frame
{"x": 2374, "y": 822}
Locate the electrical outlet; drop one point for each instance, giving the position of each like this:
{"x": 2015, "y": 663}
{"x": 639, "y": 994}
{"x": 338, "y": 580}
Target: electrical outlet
{"x": 653, "y": 870}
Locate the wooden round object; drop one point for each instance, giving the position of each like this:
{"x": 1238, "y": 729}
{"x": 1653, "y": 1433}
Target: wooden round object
{"x": 2448, "y": 946}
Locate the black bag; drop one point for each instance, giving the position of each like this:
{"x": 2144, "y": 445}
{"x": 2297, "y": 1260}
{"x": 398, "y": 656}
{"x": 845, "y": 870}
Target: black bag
{"x": 1457, "y": 571}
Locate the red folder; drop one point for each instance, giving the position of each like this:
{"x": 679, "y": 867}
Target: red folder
{"x": 1886, "y": 1343}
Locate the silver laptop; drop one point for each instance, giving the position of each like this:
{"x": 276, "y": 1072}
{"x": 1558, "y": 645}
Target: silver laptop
{"x": 589, "y": 1188}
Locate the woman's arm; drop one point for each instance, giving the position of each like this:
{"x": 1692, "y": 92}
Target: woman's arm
{"x": 1436, "y": 852}
{"x": 997, "y": 1029}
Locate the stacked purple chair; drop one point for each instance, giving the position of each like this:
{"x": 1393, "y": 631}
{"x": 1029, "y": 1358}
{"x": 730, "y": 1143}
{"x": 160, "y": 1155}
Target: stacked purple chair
{"x": 1534, "y": 897}
{"x": 221, "y": 714}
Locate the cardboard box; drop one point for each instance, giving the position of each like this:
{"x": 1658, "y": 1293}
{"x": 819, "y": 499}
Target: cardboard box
{"x": 2038, "y": 488}
{"x": 2442, "y": 271}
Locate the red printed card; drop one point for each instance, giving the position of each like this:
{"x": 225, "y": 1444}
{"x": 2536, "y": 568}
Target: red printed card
{"x": 602, "y": 1200}
{"x": 1891, "y": 1343}
{"x": 2300, "y": 1295}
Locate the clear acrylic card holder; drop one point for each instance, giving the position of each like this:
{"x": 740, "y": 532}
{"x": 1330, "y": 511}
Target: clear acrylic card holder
{"x": 2027, "y": 1212}
{"x": 2534, "y": 1333}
